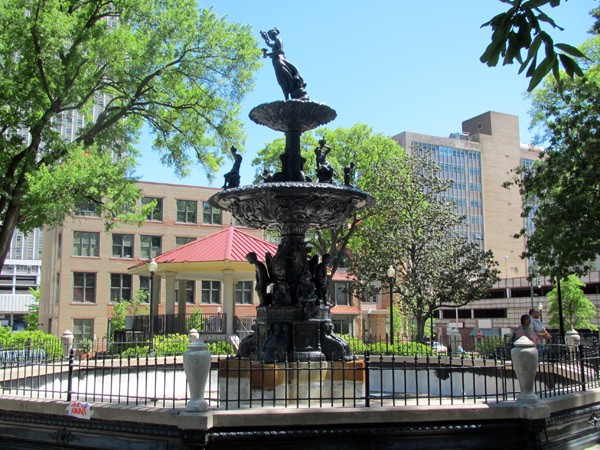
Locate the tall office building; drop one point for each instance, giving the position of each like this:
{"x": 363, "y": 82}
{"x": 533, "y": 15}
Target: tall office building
{"x": 480, "y": 159}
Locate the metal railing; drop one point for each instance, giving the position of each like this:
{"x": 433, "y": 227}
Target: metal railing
{"x": 127, "y": 373}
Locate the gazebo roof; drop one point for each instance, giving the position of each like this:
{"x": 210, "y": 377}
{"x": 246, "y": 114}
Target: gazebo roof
{"x": 227, "y": 245}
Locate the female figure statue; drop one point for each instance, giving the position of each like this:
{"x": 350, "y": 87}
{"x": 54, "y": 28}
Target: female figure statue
{"x": 287, "y": 74}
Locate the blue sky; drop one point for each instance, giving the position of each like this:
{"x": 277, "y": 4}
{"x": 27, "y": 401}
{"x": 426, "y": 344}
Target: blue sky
{"x": 397, "y": 65}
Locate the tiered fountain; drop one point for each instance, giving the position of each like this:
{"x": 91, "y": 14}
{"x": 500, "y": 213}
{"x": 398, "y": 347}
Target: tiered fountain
{"x": 293, "y": 323}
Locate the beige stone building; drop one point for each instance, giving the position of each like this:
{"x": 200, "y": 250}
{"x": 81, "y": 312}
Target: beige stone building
{"x": 85, "y": 268}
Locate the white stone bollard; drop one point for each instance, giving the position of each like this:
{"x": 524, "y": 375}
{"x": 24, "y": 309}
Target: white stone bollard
{"x": 196, "y": 365}
{"x": 193, "y": 335}
{"x": 67, "y": 342}
{"x": 525, "y": 361}
{"x": 572, "y": 338}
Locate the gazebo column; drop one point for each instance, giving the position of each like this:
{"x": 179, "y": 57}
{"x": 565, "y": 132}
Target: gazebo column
{"x": 181, "y": 305}
{"x": 228, "y": 300}
{"x": 170, "y": 301}
{"x": 156, "y": 284}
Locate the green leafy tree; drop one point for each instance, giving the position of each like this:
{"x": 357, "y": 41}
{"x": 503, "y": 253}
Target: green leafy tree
{"x": 123, "y": 308}
{"x": 414, "y": 231}
{"x": 178, "y": 69}
{"x": 521, "y": 29}
{"x": 357, "y": 144}
{"x": 561, "y": 191}
{"x": 32, "y": 319}
{"x": 578, "y": 310}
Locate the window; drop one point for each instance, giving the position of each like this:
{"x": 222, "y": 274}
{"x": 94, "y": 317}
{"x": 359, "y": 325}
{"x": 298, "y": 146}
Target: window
{"x": 83, "y": 329}
{"x": 342, "y": 325}
{"x": 182, "y": 240}
{"x": 87, "y": 208}
{"x": 243, "y": 293}
{"x": 84, "y": 287}
{"x": 145, "y": 287}
{"x": 211, "y": 215}
{"x": 342, "y": 293}
{"x": 187, "y": 211}
{"x": 150, "y": 246}
{"x": 120, "y": 287}
{"x": 157, "y": 212}
{"x": 85, "y": 243}
{"x": 122, "y": 245}
{"x": 211, "y": 292}
{"x": 190, "y": 291}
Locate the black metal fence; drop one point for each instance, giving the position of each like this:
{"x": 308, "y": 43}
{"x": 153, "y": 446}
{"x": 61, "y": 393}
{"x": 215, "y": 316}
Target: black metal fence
{"x": 137, "y": 327}
{"x": 129, "y": 374}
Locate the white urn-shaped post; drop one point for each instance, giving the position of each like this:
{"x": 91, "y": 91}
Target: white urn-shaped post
{"x": 525, "y": 361}
{"x": 572, "y": 338}
{"x": 196, "y": 364}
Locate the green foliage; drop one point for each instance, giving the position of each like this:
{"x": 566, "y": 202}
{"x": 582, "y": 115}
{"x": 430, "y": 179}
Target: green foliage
{"x": 488, "y": 345}
{"x": 220, "y": 348}
{"x": 124, "y": 308}
{"x": 577, "y": 308}
{"x": 178, "y": 69}
{"x": 357, "y": 346}
{"x": 34, "y": 340}
{"x": 171, "y": 344}
{"x": 560, "y": 191}
{"x": 195, "y": 321}
{"x": 412, "y": 229}
{"x": 520, "y": 29}
{"x": 32, "y": 319}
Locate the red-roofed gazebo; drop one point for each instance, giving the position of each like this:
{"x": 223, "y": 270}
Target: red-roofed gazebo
{"x": 219, "y": 257}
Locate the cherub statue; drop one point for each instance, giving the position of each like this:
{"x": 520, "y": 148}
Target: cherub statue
{"x": 232, "y": 178}
{"x": 324, "y": 167}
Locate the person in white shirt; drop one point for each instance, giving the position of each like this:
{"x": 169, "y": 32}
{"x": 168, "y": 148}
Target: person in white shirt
{"x": 539, "y": 330}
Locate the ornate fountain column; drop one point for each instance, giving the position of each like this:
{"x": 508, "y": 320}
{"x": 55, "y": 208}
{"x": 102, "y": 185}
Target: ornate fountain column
{"x": 294, "y": 323}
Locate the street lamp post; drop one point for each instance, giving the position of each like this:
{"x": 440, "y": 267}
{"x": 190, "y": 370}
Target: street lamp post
{"x": 152, "y": 267}
{"x": 391, "y": 273}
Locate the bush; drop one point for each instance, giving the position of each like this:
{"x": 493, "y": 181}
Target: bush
{"x": 488, "y": 346}
{"x": 220, "y": 348}
{"x": 33, "y": 340}
{"x": 170, "y": 344}
{"x": 357, "y": 346}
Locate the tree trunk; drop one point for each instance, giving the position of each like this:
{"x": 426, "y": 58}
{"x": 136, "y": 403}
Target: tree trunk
{"x": 9, "y": 225}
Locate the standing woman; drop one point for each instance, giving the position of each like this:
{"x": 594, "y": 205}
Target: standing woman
{"x": 287, "y": 74}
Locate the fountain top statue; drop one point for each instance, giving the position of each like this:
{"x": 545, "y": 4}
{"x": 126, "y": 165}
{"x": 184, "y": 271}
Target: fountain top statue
{"x": 287, "y": 74}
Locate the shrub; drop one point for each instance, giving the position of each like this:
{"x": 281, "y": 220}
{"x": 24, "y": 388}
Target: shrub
{"x": 33, "y": 340}
{"x": 220, "y": 348}
{"x": 170, "y": 344}
{"x": 488, "y": 346}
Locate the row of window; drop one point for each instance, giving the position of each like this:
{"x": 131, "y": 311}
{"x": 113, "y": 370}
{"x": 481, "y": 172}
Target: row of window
{"x": 87, "y": 243}
{"x": 85, "y": 286}
{"x": 187, "y": 211}
{"x": 121, "y": 288}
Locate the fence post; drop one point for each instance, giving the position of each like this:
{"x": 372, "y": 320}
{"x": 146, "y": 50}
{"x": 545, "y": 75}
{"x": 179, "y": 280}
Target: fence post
{"x": 67, "y": 342}
{"x": 582, "y": 367}
{"x": 367, "y": 381}
{"x": 70, "y": 374}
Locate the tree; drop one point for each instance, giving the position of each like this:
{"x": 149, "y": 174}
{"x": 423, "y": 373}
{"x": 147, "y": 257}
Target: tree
{"x": 32, "y": 319}
{"x": 577, "y": 308}
{"x": 521, "y": 28}
{"x": 415, "y": 232}
{"x": 561, "y": 191}
{"x": 126, "y": 307}
{"x": 357, "y": 144}
{"x": 114, "y": 66}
